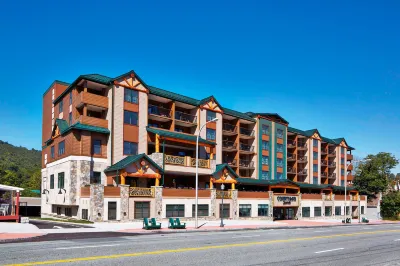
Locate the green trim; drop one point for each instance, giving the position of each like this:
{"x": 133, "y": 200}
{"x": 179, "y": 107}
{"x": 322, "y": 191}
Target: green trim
{"x": 183, "y": 136}
{"x": 279, "y": 126}
{"x": 122, "y": 164}
{"x": 260, "y": 124}
{"x": 237, "y": 114}
{"x": 220, "y": 167}
{"x": 276, "y": 115}
{"x": 252, "y": 181}
{"x": 173, "y": 96}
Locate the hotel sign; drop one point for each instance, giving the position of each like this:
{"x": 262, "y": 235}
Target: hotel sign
{"x": 283, "y": 200}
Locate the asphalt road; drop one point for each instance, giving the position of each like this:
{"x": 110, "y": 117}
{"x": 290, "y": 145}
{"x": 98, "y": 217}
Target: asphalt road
{"x": 352, "y": 245}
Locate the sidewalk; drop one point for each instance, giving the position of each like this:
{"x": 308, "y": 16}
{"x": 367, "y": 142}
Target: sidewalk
{"x": 19, "y": 231}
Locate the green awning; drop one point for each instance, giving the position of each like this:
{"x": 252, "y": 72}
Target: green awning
{"x": 177, "y": 135}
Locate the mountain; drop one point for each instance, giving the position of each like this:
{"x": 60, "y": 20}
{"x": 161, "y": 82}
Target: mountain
{"x": 20, "y": 167}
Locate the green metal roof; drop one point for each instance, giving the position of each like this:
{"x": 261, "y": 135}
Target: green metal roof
{"x": 173, "y": 96}
{"x": 311, "y": 186}
{"x": 268, "y": 114}
{"x": 62, "y": 125}
{"x": 341, "y": 188}
{"x": 238, "y": 114}
{"x": 129, "y": 160}
{"x": 252, "y": 181}
{"x": 220, "y": 167}
{"x": 177, "y": 135}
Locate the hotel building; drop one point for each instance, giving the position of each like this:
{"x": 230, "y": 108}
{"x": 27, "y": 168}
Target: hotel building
{"x": 119, "y": 149}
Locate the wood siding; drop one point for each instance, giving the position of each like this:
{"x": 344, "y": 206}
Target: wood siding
{"x": 112, "y": 192}
{"x": 253, "y": 195}
{"x": 305, "y": 196}
{"x": 185, "y": 193}
{"x": 85, "y": 192}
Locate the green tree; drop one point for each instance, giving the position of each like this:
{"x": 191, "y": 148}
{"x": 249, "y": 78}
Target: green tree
{"x": 373, "y": 173}
{"x": 390, "y": 205}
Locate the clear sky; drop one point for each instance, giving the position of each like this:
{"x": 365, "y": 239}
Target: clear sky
{"x": 330, "y": 65}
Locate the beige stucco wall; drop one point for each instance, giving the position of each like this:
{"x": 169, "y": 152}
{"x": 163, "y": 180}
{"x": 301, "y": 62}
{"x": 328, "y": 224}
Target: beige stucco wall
{"x": 219, "y": 139}
{"x": 143, "y": 120}
{"x": 118, "y": 124}
{"x": 272, "y": 169}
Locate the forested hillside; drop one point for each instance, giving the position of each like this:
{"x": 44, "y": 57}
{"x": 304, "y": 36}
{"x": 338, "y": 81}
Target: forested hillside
{"x": 20, "y": 167}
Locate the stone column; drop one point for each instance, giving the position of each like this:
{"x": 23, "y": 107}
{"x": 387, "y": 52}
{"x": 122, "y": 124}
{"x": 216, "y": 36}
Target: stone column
{"x": 234, "y": 195}
{"x": 124, "y": 190}
{"x": 323, "y": 196}
{"x": 271, "y": 204}
{"x": 158, "y": 201}
{"x": 213, "y": 203}
{"x": 97, "y": 202}
{"x": 298, "y": 213}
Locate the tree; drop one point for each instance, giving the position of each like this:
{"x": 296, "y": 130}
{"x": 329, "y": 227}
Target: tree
{"x": 390, "y": 205}
{"x": 373, "y": 173}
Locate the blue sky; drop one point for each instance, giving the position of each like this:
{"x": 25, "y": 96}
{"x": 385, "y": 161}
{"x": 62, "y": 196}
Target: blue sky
{"x": 330, "y": 65}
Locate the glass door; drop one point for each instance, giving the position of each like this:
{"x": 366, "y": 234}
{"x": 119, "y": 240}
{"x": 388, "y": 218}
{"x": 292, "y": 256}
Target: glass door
{"x": 112, "y": 210}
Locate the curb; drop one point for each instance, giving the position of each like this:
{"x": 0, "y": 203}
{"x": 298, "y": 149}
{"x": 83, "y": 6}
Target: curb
{"x": 62, "y": 222}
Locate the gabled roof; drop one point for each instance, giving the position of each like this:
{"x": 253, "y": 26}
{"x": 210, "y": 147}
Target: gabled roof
{"x": 220, "y": 167}
{"x": 238, "y": 114}
{"x": 173, "y": 96}
{"x": 274, "y": 115}
{"x": 178, "y": 135}
{"x": 310, "y": 132}
{"x": 122, "y": 164}
{"x": 328, "y": 140}
{"x": 62, "y": 125}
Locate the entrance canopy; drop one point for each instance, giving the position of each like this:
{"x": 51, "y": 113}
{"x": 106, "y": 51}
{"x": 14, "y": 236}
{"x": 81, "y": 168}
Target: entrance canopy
{"x": 10, "y": 188}
{"x": 224, "y": 174}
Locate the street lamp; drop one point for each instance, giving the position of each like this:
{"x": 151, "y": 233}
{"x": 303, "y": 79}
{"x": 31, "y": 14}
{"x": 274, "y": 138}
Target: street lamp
{"x": 197, "y": 170}
{"x": 222, "y": 206}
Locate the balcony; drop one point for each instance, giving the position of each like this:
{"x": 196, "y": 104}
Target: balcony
{"x": 291, "y": 144}
{"x": 159, "y": 113}
{"x": 246, "y": 148}
{"x": 350, "y": 167}
{"x": 231, "y": 163}
{"x": 229, "y": 146}
{"x": 332, "y": 176}
{"x": 331, "y": 164}
{"x": 229, "y": 130}
{"x": 185, "y": 120}
{"x": 92, "y": 99}
{"x": 302, "y": 172}
{"x": 302, "y": 159}
{"x": 324, "y": 175}
{"x": 93, "y": 121}
{"x": 302, "y": 146}
{"x": 291, "y": 157}
{"x": 291, "y": 170}
{"x": 246, "y": 164}
{"x": 246, "y": 133}
{"x": 332, "y": 153}
{"x": 349, "y": 157}
{"x": 186, "y": 161}
{"x": 324, "y": 163}
{"x": 324, "y": 152}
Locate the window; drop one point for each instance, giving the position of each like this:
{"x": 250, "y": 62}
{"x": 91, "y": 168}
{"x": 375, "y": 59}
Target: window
{"x": 279, "y": 147}
{"x": 61, "y": 180}
{"x": 177, "y": 210}
{"x": 265, "y": 129}
{"x": 279, "y": 162}
{"x": 262, "y": 209}
{"x": 61, "y": 148}
{"x": 279, "y": 176}
{"x": 279, "y": 133}
{"x": 52, "y": 152}
{"x": 315, "y": 168}
{"x": 130, "y": 118}
{"x": 265, "y": 175}
{"x": 68, "y": 212}
{"x": 130, "y": 96}
{"x": 60, "y": 107}
{"x": 112, "y": 210}
{"x": 130, "y": 148}
{"x": 96, "y": 146}
{"x": 211, "y": 115}
{"x": 362, "y": 210}
{"x": 70, "y": 97}
{"x": 315, "y": 180}
{"x": 315, "y": 155}
{"x": 342, "y": 150}
{"x": 85, "y": 214}
{"x": 265, "y": 145}
{"x": 210, "y": 134}
{"x": 338, "y": 210}
{"x": 244, "y": 210}
{"x": 58, "y": 210}
{"x": 315, "y": 142}
{"x": 305, "y": 211}
{"x": 225, "y": 210}
{"x": 142, "y": 209}
{"x": 51, "y": 181}
{"x": 342, "y": 183}
{"x": 95, "y": 178}
{"x": 202, "y": 210}
{"x": 265, "y": 160}
{"x": 342, "y": 160}
{"x": 317, "y": 211}
{"x": 328, "y": 211}
{"x": 347, "y": 210}
{"x": 70, "y": 118}
{"x": 342, "y": 171}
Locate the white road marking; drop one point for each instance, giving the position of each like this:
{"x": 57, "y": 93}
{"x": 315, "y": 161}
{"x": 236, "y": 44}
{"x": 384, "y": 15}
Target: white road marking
{"x": 322, "y": 231}
{"x": 244, "y": 236}
{"x": 323, "y": 251}
{"x": 90, "y": 246}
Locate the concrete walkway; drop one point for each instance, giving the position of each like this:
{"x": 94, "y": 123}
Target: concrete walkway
{"x": 17, "y": 231}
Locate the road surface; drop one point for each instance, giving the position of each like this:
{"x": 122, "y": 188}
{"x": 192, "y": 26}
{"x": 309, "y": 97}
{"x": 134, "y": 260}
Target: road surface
{"x": 348, "y": 245}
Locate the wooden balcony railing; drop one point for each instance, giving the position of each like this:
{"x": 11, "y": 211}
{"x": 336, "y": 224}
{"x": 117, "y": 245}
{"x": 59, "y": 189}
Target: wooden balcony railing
{"x": 202, "y": 163}
{"x": 229, "y": 145}
{"x": 324, "y": 175}
{"x": 302, "y": 159}
{"x": 246, "y": 132}
{"x": 291, "y": 157}
{"x": 229, "y": 128}
{"x": 93, "y": 121}
{"x": 324, "y": 163}
{"x": 230, "y": 162}
{"x": 302, "y": 146}
{"x": 246, "y": 164}
{"x": 332, "y": 164}
{"x": 291, "y": 170}
{"x": 291, "y": 144}
{"x": 332, "y": 176}
{"x": 244, "y": 147}
{"x": 141, "y": 192}
{"x": 223, "y": 194}
{"x": 176, "y": 160}
{"x": 349, "y": 157}
{"x": 159, "y": 111}
{"x": 302, "y": 172}
{"x": 92, "y": 99}
{"x": 186, "y": 161}
{"x": 185, "y": 117}
{"x": 332, "y": 153}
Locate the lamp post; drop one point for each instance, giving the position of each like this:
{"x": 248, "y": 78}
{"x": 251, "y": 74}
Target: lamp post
{"x": 222, "y": 206}
{"x": 196, "y": 222}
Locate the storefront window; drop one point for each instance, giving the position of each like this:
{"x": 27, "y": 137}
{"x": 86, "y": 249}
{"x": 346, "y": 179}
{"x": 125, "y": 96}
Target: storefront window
{"x": 244, "y": 210}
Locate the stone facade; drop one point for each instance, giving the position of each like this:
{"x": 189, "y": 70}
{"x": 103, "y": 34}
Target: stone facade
{"x": 97, "y": 203}
{"x": 158, "y": 199}
{"x": 235, "y": 212}
{"x": 73, "y": 182}
{"x": 124, "y": 202}
{"x": 157, "y": 157}
{"x": 85, "y": 173}
{"x": 213, "y": 204}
